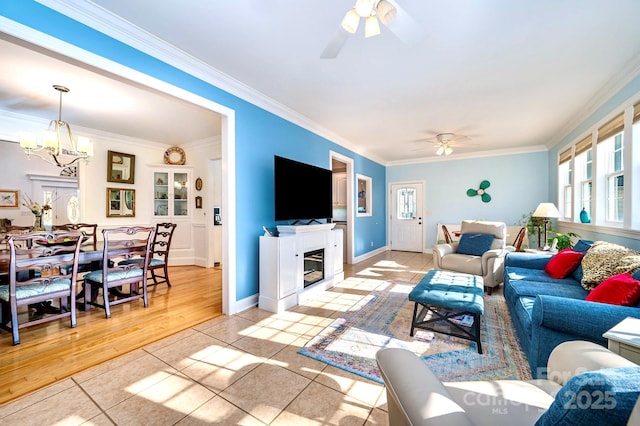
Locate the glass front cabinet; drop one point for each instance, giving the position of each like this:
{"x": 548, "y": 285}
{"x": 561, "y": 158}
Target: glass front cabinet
{"x": 171, "y": 192}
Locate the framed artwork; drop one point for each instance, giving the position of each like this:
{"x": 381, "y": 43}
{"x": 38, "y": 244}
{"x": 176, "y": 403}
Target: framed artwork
{"x": 8, "y": 198}
{"x": 121, "y": 167}
{"x": 198, "y": 202}
{"x": 121, "y": 202}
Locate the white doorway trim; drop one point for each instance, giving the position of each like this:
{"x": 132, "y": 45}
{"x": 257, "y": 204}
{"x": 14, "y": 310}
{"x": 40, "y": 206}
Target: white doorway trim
{"x": 350, "y": 210}
{"x": 37, "y": 38}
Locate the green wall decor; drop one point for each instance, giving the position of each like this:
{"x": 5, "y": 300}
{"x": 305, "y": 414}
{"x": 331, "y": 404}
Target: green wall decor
{"x": 481, "y": 191}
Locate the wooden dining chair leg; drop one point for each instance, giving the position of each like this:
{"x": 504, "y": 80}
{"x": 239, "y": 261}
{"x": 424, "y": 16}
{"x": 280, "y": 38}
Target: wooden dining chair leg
{"x": 105, "y": 296}
{"x": 166, "y": 274}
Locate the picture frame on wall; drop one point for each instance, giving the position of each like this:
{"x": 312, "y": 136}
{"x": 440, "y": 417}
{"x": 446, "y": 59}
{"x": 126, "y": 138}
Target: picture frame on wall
{"x": 9, "y": 198}
{"x": 198, "y": 202}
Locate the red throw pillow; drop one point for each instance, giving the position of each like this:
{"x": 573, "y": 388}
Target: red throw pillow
{"x": 563, "y": 263}
{"x": 621, "y": 289}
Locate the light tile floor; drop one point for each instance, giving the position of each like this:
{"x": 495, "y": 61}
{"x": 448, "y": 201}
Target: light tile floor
{"x": 237, "y": 370}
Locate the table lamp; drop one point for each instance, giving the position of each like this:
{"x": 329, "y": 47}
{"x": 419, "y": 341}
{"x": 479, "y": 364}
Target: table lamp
{"x": 545, "y": 211}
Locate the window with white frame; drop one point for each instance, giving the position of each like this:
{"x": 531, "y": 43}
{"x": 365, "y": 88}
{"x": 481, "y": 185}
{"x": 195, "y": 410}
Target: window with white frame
{"x": 584, "y": 175}
{"x": 565, "y": 177}
{"x": 615, "y": 180}
{"x": 604, "y": 163}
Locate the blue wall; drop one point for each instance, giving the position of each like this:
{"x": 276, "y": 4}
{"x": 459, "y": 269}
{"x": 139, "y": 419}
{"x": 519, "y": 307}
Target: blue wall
{"x": 518, "y": 184}
{"x": 259, "y": 135}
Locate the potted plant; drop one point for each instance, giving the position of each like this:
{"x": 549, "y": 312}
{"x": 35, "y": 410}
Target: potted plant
{"x": 564, "y": 240}
{"x": 533, "y": 228}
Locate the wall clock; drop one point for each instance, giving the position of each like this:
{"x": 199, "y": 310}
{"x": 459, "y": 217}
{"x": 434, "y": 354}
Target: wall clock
{"x": 198, "y": 184}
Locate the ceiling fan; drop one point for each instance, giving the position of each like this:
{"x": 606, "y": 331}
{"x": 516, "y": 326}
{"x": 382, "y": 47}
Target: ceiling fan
{"x": 445, "y": 142}
{"x": 386, "y": 11}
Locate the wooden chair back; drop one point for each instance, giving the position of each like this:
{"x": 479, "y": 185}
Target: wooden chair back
{"x": 89, "y": 230}
{"x": 517, "y": 242}
{"x": 162, "y": 240}
{"x": 447, "y": 236}
{"x": 42, "y": 266}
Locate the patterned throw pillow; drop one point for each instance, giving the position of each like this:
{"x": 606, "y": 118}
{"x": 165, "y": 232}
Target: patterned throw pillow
{"x": 603, "y": 260}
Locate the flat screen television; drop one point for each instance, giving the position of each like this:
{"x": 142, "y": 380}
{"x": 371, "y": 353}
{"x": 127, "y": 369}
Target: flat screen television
{"x": 302, "y": 191}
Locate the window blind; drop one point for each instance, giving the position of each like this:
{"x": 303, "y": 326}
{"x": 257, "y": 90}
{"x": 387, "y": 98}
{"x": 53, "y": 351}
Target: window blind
{"x": 583, "y": 146}
{"x": 564, "y": 156}
{"x": 612, "y": 128}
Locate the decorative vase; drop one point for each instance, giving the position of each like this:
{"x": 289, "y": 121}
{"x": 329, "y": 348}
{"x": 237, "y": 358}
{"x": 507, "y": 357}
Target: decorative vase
{"x": 37, "y": 224}
{"x": 584, "y": 216}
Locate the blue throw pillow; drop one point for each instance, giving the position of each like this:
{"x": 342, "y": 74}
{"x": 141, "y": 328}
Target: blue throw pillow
{"x": 603, "y": 397}
{"x": 475, "y": 244}
{"x": 583, "y": 245}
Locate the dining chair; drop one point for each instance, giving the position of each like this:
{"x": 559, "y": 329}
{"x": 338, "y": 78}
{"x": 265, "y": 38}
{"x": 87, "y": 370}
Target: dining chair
{"x": 42, "y": 267}
{"x": 89, "y": 230}
{"x": 159, "y": 258}
{"x": 122, "y": 243}
{"x": 447, "y": 235}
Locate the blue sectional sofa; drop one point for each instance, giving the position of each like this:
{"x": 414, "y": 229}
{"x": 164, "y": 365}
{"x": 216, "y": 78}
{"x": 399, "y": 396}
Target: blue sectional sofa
{"x": 548, "y": 311}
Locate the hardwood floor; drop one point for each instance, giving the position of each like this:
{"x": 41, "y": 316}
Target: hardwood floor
{"x": 52, "y": 351}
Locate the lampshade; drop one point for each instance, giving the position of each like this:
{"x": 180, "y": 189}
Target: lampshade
{"x": 448, "y": 150}
{"x": 371, "y": 26}
{"x": 386, "y": 12}
{"x": 350, "y": 21}
{"x": 364, "y": 7}
{"x": 546, "y": 210}
{"x": 440, "y": 150}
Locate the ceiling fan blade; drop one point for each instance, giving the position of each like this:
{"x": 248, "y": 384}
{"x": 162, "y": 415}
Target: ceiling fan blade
{"x": 404, "y": 26}
{"x": 335, "y": 45}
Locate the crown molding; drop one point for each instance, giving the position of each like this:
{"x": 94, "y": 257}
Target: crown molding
{"x": 102, "y": 20}
{"x": 601, "y": 96}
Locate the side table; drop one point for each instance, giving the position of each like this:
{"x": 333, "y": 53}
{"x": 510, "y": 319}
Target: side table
{"x": 624, "y": 339}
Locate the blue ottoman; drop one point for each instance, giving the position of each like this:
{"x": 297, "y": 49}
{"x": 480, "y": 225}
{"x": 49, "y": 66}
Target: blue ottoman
{"x": 447, "y": 295}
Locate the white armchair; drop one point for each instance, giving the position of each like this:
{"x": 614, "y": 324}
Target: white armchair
{"x": 489, "y": 265}
{"x": 415, "y": 396}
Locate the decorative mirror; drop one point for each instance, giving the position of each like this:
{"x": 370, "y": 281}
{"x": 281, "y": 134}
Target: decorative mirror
{"x": 121, "y": 167}
{"x": 121, "y": 202}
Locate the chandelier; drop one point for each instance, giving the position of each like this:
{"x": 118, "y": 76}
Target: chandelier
{"x": 370, "y": 10}
{"x": 57, "y": 146}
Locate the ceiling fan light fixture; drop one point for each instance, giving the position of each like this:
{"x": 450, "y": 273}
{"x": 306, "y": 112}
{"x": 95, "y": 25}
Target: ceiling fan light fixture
{"x": 440, "y": 150}
{"x": 371, "y": 26}
{"x": 364, "y": 8}
{"x": 386, "y": 11}
{"x": 351, "y": 21}
{"x": 448, "y": 150}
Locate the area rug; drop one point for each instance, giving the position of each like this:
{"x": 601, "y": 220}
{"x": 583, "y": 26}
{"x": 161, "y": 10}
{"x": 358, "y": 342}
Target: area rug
{"x": 382, "y": 319}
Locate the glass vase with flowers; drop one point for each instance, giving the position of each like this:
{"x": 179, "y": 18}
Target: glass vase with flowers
{"x": 37, "y": 210}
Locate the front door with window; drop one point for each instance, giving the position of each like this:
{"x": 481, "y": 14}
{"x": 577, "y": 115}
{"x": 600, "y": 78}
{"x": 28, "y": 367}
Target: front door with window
{"x": 407, "y": 229}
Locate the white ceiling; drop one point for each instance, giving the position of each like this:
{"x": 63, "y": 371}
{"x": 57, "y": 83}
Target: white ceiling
{"x": 96, "y": 100}
{"x": 507, "y": 74}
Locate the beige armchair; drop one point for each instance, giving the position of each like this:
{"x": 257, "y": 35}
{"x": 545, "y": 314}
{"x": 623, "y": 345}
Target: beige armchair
{"x": 415, "y": 396}
{"x": 489, "y": 265}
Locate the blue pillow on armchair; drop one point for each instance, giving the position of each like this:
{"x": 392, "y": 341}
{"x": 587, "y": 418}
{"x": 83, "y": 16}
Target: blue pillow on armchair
{"x": 602, "y": 397}
{"x": 475, "y": 244}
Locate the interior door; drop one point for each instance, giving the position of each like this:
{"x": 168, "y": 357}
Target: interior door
{"x": 407, "y": 231}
